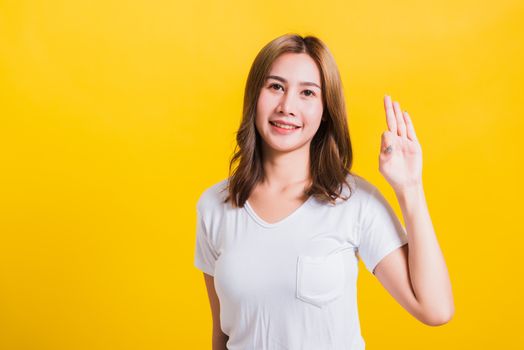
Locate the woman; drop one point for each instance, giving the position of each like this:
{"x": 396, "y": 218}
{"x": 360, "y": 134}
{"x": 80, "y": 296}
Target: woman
{"x": 279, "y": 239}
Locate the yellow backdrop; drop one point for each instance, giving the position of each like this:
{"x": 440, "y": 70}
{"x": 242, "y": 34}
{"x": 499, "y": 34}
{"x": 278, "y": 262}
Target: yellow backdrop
{"x": 116, "y": 115}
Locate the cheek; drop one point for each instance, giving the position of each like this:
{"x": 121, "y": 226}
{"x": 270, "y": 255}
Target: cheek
{"x": 314, "y": 112}
{"x": 264, "y": 101}
{"x": 263, "y": 106}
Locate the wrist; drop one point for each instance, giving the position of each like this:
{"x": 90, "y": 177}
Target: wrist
{"x": 410, "y": 192}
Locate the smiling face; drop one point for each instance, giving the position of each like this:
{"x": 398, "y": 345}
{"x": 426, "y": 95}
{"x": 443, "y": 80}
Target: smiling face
{"x": 291, "y": 94}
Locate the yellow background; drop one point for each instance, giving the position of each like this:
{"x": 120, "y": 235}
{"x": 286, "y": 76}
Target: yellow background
{"x": 116, "y": 115}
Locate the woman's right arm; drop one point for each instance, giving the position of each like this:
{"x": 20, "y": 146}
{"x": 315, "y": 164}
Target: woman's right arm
{"x": 219, "y": 338}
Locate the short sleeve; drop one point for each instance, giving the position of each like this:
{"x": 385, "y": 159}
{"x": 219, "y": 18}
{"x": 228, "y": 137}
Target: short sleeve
{"x": 205, "y": 254}
{"x": 380, "y": 231}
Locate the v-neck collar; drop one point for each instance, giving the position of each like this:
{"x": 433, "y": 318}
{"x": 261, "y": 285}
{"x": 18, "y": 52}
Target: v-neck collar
{"x": 266, "y": 224}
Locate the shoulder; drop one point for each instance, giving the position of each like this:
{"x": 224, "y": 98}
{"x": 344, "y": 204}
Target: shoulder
{"x": 213, "y": 196}
{"x": 374, "y": 205}
{"x": 360, "y": 189}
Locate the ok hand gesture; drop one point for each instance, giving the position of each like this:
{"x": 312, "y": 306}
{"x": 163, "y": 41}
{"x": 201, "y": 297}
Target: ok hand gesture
{"x": 400, "y": 159}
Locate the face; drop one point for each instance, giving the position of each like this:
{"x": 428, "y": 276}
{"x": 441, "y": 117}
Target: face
{"x": 291, "y": 94}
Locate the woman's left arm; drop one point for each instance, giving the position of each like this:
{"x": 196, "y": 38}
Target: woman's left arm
{"x": 415, "y": 274}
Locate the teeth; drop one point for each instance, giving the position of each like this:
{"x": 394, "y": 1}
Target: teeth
{"x": 283, "y": 126}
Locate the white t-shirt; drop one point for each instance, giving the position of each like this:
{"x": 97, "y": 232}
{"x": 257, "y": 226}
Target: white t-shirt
{"x": 292, "y": 284}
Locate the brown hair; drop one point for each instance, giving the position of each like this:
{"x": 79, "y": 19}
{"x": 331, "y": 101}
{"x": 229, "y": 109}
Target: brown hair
{"x": 331, "y": 155}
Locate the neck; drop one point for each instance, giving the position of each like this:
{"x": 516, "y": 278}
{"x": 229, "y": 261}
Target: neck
{"x": 286, "y": 169}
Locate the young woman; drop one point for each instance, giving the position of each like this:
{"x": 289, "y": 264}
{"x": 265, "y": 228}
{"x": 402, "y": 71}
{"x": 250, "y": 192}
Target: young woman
{"x": 279, "y": 239}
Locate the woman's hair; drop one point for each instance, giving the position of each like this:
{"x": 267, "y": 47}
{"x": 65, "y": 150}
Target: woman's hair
{"x": 331, "y": 155}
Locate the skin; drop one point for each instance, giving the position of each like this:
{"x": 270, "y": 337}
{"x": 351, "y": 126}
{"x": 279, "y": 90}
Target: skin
{"x": 415, "y": 274}
{"x": 291, "y": 93}
{"x": 219, "y": 338}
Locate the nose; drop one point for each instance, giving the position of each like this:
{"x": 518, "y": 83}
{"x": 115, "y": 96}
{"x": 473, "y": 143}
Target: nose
{"x": 286, "y": 105}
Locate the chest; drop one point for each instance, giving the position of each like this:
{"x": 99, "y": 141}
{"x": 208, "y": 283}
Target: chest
{"x": 305, "y": 266}
{"x": 275, "y": 208}
{"x": 305, "y": 259}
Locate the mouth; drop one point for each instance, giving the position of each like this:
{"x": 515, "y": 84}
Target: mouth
{"x": 283, "y": 129}
{"x": 284, "y": 126}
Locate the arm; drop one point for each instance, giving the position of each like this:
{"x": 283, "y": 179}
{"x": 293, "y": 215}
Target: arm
{"x": 416, "y": 274}
{"x": 219, "y": 339}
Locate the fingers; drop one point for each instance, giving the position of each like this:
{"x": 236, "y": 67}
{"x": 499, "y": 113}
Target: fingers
{"x": 391, "y": 120}
{"x": 401, "y": 125}
{"x": 410, "y": 129}
{"x": 398, "y": 123}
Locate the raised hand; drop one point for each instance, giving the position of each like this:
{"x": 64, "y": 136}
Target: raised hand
{"x": 400, "y": 159}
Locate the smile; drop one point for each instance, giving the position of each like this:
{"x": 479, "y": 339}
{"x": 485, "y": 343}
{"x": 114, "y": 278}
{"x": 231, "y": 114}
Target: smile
{"x": 284, "y": 126}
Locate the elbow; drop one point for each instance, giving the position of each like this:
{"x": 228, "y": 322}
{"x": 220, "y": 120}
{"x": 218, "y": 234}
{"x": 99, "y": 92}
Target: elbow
{"x": 435, "y": 319}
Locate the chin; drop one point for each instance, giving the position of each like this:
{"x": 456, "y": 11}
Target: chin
{"x": 285, "y": 147}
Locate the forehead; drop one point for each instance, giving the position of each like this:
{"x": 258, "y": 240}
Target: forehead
{"x": 296, "y": 68}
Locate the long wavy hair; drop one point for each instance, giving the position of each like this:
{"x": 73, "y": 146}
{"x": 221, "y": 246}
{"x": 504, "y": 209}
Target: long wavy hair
{"x": 331, "y": 155}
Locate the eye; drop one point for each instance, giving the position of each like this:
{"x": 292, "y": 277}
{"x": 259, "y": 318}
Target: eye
{"x": 275, "y": 84}
{"x": 311, "y": 92}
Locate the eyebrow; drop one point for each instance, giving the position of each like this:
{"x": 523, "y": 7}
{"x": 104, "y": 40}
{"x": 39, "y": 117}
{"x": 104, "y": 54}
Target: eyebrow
{"x": 276, "y": 77}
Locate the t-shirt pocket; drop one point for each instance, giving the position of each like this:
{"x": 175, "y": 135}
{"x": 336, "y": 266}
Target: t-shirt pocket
{"x": 320, "y": 279}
